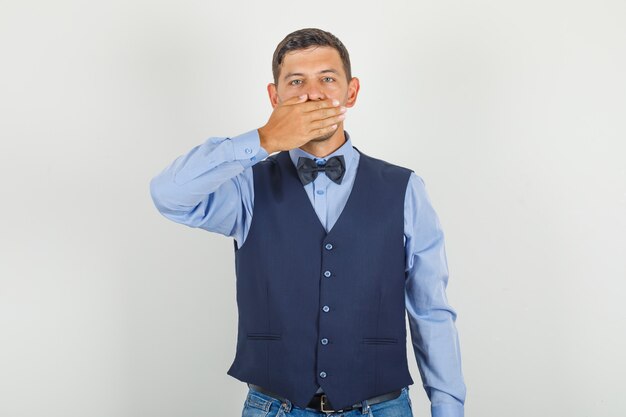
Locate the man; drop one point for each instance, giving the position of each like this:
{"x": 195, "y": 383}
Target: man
{"x": 324, "y": 278}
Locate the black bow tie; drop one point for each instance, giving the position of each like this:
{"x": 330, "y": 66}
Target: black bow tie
{"x": 334, "y": 168}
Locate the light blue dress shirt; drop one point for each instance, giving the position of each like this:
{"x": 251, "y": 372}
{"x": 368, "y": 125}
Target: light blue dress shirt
{"x": 211, "y": 187}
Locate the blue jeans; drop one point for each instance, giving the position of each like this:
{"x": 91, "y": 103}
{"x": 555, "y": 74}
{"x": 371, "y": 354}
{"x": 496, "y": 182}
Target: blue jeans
{"x": 258, "y": 404}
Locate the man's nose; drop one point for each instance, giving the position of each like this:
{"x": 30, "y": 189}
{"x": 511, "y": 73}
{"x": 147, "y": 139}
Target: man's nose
{"x": 315, "y": 93}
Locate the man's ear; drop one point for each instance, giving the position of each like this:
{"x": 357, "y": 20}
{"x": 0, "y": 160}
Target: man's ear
{"x": 353, "y": 91}
{"x": 271, "y": 91}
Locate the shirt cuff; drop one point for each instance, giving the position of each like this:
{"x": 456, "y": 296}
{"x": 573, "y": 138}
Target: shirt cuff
{"x": 247, "y": 148}
{"x": 447, "y": 410}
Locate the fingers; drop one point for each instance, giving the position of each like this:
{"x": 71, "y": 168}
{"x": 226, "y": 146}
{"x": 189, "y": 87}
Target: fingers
{"x": 314, "y": 105}
{"x": 317, "y": 117}
{"x": 325, "y": 114}
{"x": 295, "y": 100}
{"x": 322, "y": 108}
{"x": 327, "y": 122}
{"x": 314, "y": 110}
{"x": 332, "y": 113}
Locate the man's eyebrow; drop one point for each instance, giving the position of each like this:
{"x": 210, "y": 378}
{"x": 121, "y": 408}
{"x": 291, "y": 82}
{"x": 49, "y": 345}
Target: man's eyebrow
{"x": 293, "y": 74}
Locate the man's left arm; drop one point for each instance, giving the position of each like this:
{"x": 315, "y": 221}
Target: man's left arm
{"x": 431, "y": 319}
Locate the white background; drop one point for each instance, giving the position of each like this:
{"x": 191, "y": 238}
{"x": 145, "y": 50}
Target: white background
{"x": 513, "y": 112}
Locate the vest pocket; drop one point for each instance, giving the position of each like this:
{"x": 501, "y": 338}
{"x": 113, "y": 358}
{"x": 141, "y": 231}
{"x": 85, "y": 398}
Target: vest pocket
{"x": 379, "y": 340}
{"x": 264, "y": 336}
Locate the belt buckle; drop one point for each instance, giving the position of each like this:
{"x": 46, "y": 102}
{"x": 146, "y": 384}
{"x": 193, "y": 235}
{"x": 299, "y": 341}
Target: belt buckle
{"x": 327, "y": 410}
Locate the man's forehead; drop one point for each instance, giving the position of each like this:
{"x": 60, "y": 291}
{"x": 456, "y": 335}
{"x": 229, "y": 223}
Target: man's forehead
{"x": 315, "y": 60}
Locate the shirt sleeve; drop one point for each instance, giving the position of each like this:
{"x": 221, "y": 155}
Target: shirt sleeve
{"x": 210, "y": 187}
{"x": 431, "y": 319}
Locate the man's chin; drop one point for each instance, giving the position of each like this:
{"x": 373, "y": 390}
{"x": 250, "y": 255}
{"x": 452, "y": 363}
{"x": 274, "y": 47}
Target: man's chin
{"x": 323, "y": 138}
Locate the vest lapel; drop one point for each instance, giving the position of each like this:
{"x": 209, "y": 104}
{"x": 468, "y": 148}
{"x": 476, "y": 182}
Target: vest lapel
{"x": 292, "y": 176}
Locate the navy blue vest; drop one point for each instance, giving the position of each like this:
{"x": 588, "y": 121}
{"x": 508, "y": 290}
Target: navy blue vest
{"x": 323, "y": 309}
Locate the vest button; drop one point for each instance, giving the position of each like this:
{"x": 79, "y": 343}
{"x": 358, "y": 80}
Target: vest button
{"x": 326, "y": 309}
{"x": 324, "y": 341}
{"x": 329, "y": 246}
{"x": 326, "y": 273}
{"x": 323, "y": 374}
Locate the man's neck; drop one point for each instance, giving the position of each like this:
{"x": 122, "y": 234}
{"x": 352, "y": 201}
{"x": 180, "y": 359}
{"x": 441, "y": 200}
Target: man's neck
{"x": 323, "y": 148}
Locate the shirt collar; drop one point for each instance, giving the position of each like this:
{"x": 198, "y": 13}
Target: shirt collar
{"x": 346, "y": 150}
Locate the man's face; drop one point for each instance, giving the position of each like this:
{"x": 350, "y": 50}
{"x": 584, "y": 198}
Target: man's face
{"x": 318, "y": 72}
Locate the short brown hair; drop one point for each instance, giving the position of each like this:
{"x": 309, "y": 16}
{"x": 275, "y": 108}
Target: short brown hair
{"x": 305, "y": 38}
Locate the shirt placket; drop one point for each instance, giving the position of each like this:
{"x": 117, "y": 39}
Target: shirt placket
{"x": 320, "y": 201}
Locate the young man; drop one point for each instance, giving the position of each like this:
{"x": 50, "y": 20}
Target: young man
{"x": 332, "y": 248}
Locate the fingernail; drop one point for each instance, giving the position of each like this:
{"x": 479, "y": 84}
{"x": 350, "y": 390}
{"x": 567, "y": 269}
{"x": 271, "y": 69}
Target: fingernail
{"x": 335, "y": 102}
{"x": 342, "y": 109}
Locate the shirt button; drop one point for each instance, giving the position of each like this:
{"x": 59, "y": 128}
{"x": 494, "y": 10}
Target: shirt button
{"x": 323, "y": 374}
{"x": 329, "y": 246}
{"x": 320, "y": 191}
{"x": 326, "y": 309}
{"x": 326, "y": 273}
{"x": 248, "y": 150}
{"x": 324, "y": 341}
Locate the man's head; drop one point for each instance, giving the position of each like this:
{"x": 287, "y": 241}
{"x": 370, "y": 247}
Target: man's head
{"x": 307, "y": 38}
{"x": 313, "y": 62}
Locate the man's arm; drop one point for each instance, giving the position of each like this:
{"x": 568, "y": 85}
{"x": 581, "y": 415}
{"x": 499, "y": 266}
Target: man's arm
{"x": 431, "y": 319}
{"x": 210, "y": 186}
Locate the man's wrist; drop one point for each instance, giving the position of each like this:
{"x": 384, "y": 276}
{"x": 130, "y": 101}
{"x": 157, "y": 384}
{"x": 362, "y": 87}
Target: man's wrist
{"x": 265, "y": 142}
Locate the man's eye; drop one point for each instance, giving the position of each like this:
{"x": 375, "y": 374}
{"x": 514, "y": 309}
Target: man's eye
{"x": 292, "y": 82}
{"x": 329, "y": 78}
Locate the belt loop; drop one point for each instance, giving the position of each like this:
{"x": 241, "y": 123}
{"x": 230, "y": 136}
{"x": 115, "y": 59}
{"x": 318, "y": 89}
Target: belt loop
{"x": 365, "y": 407}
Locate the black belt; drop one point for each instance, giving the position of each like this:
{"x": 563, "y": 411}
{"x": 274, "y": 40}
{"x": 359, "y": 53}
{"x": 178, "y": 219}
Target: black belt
{"x": 319, "y": 402}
